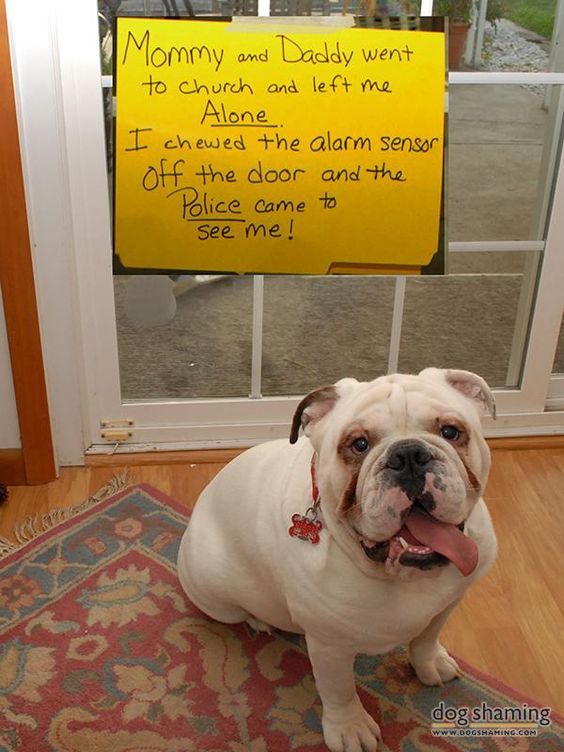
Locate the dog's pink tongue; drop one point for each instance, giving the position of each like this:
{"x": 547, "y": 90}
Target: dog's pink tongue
{"x": 444, "y": 538}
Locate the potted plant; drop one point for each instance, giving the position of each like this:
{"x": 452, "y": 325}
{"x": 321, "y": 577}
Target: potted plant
{"x": 460, "y": 14}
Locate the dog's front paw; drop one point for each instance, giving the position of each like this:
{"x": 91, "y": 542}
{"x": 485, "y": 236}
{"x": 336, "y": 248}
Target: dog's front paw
{"x": 259, "y": 626}
{"x": 435, "y": 669}
{"x": 350, "y": 729}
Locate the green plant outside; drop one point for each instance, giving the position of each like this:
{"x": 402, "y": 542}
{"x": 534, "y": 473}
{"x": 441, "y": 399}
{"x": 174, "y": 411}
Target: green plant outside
{"x": 461, "y": 10}
{"x": 535, "y": 15}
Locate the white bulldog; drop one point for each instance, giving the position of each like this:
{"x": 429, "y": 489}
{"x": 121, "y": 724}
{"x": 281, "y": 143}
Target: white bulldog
{"x": 363, "y": 535}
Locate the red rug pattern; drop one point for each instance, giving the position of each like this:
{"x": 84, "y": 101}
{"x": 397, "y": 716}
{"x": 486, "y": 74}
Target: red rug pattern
{"x": 100, "y": 650}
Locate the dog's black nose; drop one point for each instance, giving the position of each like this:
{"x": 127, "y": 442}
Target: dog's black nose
{"x": 411, "y": 458}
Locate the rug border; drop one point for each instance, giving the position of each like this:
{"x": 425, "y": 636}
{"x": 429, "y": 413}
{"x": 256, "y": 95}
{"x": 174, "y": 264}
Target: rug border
{"x": 104, "y": 499}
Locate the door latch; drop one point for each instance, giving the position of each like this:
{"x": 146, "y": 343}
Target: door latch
{"x": 116, "y": 431}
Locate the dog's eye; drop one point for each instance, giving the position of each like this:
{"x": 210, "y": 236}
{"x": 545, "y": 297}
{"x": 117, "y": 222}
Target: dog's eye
{"x": 450, "y": 433}
{"x": 360, "y": 445}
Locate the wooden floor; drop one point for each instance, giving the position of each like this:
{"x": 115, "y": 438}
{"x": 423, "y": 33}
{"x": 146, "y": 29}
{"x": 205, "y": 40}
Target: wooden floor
{"x": 510, "y": 625}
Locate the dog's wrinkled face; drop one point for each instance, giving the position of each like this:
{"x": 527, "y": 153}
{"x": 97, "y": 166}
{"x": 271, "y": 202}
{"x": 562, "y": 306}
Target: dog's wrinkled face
{"x": 405, "y": 460}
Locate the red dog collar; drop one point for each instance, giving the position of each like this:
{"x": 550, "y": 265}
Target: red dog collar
{"x": 306, "y": 526}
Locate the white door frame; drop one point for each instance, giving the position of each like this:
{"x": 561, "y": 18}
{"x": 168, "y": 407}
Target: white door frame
{"x": 60, "y": 59}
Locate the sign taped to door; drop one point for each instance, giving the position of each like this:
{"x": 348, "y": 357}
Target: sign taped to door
{"x": 276, "y": 149}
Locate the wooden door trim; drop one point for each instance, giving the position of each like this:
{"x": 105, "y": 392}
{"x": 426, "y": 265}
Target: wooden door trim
{"x": 12, "y": 467}
{"x": 18, "y": 288}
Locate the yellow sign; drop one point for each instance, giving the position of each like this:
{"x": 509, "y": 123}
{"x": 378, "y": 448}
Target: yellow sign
{"x": 276, "y": 150}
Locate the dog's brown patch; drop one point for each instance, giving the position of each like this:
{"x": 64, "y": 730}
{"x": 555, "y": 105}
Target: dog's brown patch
{"x": 474, "y": 482}
{"x": 450, "y": 420}
{"x": 344, "y": 447}
{"x": 348, "y": 499}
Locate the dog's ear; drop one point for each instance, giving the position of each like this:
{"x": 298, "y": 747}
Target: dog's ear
{"x": 312, "y": 409}
{"x": 315, "y": 406}
{"x": 467, "y": 383}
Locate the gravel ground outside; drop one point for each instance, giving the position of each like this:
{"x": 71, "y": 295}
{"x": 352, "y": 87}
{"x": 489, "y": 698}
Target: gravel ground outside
{"x": 508, "y": 47}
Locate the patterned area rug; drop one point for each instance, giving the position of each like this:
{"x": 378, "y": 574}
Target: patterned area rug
{"x": 101, "y": 651}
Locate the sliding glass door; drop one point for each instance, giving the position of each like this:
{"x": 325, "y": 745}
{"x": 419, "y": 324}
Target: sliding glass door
{"x": 206, "y": 361}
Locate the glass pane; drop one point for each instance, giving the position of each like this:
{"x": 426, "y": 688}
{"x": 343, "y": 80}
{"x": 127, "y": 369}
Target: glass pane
{"x": 500, "y": 262}
{"x": 187, "y": 337}
{"x": 460, "y": 322}
{"x": 496, "y": 139}
{"x": 191, "y": 337}
{"x": 320, "y": 329}
{"x": 184, "y": 339}
{"x": 171, "y": 8}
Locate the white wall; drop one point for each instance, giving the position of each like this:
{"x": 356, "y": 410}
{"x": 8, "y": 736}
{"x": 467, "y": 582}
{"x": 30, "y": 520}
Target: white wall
{"x": 9, "y": 427}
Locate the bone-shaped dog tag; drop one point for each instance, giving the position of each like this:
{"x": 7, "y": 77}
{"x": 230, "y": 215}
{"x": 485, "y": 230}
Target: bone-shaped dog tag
{"x": 306, "y": 526}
